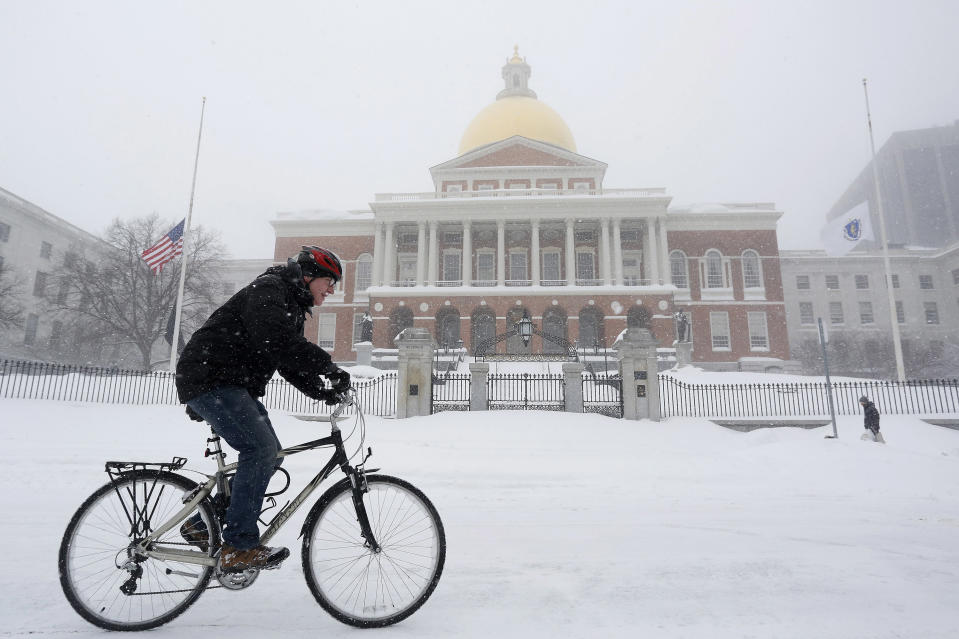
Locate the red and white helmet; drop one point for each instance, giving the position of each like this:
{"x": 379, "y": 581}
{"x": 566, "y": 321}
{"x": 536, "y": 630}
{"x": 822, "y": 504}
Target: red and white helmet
{"x": 320, "y": 262}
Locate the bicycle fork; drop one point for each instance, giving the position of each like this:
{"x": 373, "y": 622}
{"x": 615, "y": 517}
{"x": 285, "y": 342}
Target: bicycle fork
{"x": 360, "y": 487}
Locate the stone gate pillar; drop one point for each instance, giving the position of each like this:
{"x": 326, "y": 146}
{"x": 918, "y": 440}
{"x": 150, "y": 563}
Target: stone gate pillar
{"x": 636, "y": 353}
{"x": 414, "y": 381}
{"x": 573, "y": 381}
{"x": 479, "y": 397}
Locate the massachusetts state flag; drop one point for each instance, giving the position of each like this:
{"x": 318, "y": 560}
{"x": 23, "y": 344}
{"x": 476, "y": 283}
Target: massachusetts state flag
{"x": 844, "y": 233}
{"x": 169, "y": 246}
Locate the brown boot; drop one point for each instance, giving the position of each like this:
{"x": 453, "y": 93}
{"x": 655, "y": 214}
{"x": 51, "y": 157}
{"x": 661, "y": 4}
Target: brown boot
{"x": 260, "y": 558}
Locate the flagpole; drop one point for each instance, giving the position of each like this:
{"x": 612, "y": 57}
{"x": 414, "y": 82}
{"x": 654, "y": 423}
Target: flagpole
{"x": 186, "y": 248}
{"x": 893, "y": 316}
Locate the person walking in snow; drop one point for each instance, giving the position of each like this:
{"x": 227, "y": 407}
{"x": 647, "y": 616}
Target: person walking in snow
{"x": 224, "y": 371}
{"x": 871, "y": 418}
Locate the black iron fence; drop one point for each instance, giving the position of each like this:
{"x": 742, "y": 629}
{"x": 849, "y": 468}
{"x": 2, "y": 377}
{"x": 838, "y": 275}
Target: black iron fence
{"x": 67, "y": 382}
{"x": 915, "y": 397}
{"x": 451, "y": 391}
{"x": 524, "y": 391}
{"x": 603, "y": 395}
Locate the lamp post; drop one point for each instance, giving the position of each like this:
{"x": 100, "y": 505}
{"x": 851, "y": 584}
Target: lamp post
{"x": 525, "y": 328}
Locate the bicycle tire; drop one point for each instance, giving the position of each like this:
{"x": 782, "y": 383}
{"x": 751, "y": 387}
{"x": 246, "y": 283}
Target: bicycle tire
{"x": 95, "y": 545}
{"x": 357, "y": 586}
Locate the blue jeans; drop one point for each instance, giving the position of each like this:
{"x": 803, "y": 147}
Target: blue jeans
{"x": 244, "y": 423}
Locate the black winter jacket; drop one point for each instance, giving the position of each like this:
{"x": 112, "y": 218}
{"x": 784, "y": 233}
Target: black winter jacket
{"x": 256, "y": 333}
{"x": 871, "y": 414}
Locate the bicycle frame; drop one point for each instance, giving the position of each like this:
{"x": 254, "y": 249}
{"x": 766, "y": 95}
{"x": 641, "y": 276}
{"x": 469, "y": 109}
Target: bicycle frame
{"x": 150, "y": 548}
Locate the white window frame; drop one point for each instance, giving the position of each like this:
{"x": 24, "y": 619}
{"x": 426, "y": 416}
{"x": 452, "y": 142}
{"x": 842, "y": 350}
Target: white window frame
{"x": 811, "y": 316}
{"x": 544, "y": 269}
{"x": 708, "y": 290}
{"x": 4, "y": 232}
{"x": 591, "y": 253}
{"x": 930, "y": 311}
{"x": 895, "y": 280}
{"x": 838, "y": 285}
{"x": 758, "y": 328}
{"x": 628, "y": 279}
{"x": 803, "y": 283}
{"x": 753, "y": 287}
{"x": 326, "y": 331}
{"x": 409, "y": 261}
{"x": 900, "y": 312}
{"x": 363, "y": 281}
{"x": 478, "y": 272}
{"x": 513, "y": 254}
{"x": 719, "y": 335}
{"x": 866, "y": 314}
{"x": 923, "y": 280}
{"x": 454, "y": 189}
{"x": 452, "y": 258}
{"x": 864, "y": 279}
{"x": 46, "y": 250}
{"x": 685, "y": 267}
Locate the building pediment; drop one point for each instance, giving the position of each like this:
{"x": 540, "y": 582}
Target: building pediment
{"x": 518, "y": 151}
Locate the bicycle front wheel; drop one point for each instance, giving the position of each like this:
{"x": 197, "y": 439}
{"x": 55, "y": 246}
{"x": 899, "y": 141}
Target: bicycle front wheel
{"x": 105, "y": 581}
{"x": 361, "y": 587}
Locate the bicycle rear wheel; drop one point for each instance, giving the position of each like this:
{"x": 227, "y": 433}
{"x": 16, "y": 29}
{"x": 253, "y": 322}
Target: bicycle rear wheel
{"x": 100, "y": 575}
{"x": 356, "y": 585}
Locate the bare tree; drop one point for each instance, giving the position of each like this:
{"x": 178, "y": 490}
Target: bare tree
{"x": 126, "y": 302}
{"x": 11, "y": 304}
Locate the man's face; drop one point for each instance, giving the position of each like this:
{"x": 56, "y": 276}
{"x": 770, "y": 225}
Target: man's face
{"x": 320, "y": 287}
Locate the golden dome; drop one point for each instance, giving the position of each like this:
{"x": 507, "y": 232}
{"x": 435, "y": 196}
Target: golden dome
{"x": 517, "y": 115}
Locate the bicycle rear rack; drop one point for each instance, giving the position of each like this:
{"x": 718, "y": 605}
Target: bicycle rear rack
{"x": 117, "y": 468}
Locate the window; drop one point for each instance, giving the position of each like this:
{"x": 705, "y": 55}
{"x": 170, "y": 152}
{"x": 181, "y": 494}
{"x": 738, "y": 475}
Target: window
{"x": 40, "y": 284}
{"x": 925, "y": 282}
{"x": 453, "y": 237}
{"x": 30, "y": 329}
{"x": 752, "y": 271}
{"x": 584, "y": 265}
{"x": 719, "y": 329}
{"x": 862, "y": 282}
{"x": 932, "y": 312}
{"x": 806, "y": 315}
{"x": 364, "y": 272}
{"x": 4, "y": 232}
{"x": 484, "y": 187}
{"x": 631, "y": 236}
{"x": 326, "y": 336}
{"x": 64, "y": 292}
{"x": 550, "y": 266}
{"x": 955, "y": 277}
{"x": 714, "y": 270}
{"x": 56, "y": 334}
{"x": 835, "y": 313}
{"x": 632, "y": 267}
{"x": 517, "y": 266}
{"x": 832, "y": 282}
{"x": 486, "y": 266}
{"x": 678, "y": 269}
{"x": 758, "y": 333}
{"x": 69, "y": 259}
{"x": 900, "y": 313}
{"x": 46, "y": 249}
{"x": 407, "y": 238}
{"x": 407, "y": 266}
{"x": 584, "y": 236}
{"x": 454, "y": 188}
{"x": 452, "y": 263}
{"x": 802, "y": 282}
{"x": 581, "y": 186}
{"x": 865, "y": 313}
{"x": 895, "y": 280}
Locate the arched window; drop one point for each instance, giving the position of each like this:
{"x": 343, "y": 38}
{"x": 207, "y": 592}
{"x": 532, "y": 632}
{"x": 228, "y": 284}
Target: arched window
{"x": 714, "y": 269}
{"x": 591, "y": 330}
{"x": 752, "y": 270}
{"x": 400, "y": 318}
{"x": 638, "y": 317}
{"x": 678, "y": 270}
{"x": 554, "y": 325}
{"x": 364, "y": 273}
{"x": 482, "y": 328}
{"x": 447, "y": 327}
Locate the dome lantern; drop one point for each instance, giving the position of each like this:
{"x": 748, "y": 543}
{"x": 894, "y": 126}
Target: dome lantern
{"x": 516, "y": 76}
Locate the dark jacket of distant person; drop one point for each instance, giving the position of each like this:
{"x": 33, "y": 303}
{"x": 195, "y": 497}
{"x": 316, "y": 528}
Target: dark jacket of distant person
{"x": 256, "y": 333}
{"x": 870, "y": 416}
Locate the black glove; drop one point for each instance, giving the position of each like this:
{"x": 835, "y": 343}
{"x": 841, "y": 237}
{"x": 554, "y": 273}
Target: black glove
{"x": 339, "y": 380}
{"x": 330, "y": 397}
{"x": 192, "y": 414}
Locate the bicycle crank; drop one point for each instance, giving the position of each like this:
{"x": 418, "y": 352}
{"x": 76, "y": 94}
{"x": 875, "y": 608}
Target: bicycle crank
{"x": 236, "y": 580}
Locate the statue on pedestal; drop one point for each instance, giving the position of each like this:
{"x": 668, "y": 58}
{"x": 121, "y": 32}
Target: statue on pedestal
{"x": 366, "y": 328}
{"x": 682, "y": 325}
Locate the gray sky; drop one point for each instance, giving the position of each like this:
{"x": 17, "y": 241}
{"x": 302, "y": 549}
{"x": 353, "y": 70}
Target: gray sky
{"x": 323, "y": 104}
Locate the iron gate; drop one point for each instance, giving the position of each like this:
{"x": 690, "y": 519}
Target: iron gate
{"x": 451, "y": 391}
{"x": 603, "y": 395}
{"x": 525, "y": 391}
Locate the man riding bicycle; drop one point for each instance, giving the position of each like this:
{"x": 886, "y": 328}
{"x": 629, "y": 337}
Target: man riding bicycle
{"x": 224, "y": 370}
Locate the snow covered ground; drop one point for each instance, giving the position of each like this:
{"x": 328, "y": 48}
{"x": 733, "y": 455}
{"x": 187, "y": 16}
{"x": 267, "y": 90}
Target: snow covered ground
{"x": 557, "y": 525}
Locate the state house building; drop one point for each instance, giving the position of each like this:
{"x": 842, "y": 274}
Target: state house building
{"x": 520, "y": 224}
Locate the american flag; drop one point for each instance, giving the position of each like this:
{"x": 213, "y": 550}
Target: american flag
{"x": 169, "y": 246}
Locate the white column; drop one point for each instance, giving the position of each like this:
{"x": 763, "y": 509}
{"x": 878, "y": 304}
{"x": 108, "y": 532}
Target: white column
{"x": 421, "y": 262}
{"x": 377, "y": 254}
{"x": 570, "y": 252}
{"x": 617, "y": 253}
{"x": 389, "y": 267}
{"x": 467, "y": 268}
{"x": 534, "y": 252}
{"x": 604, "y": 251}
{"x": 653, "y": 252}
{"x": 664, "y": 252}
{"x": 501, "y": 253}
{"x": 433, "y": 269}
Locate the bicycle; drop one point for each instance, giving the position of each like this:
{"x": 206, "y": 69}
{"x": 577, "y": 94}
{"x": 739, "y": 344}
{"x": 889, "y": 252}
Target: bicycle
{"x": 373, "y": 545}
